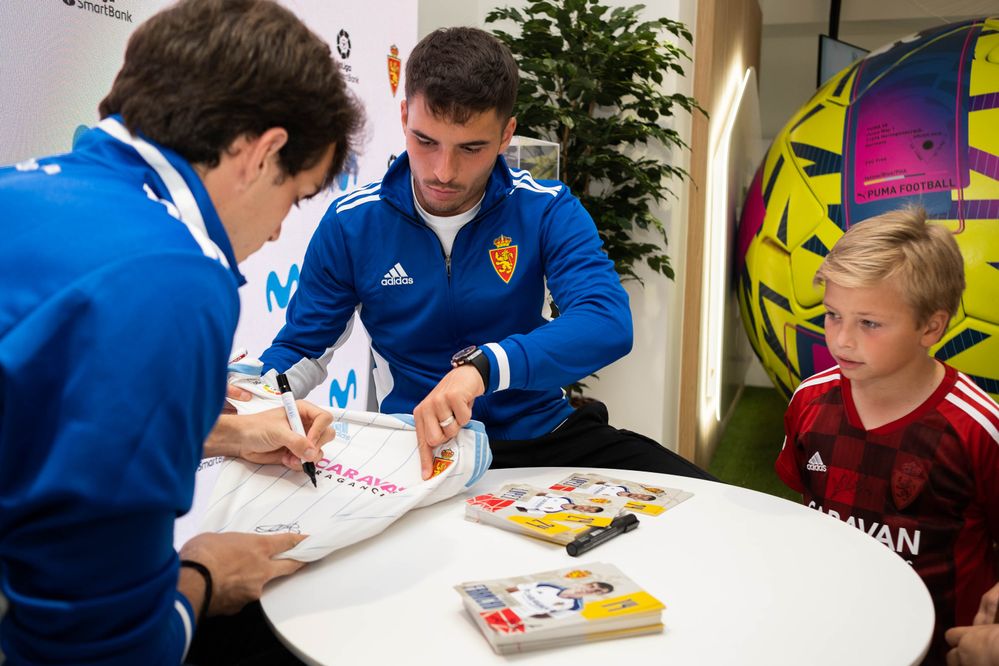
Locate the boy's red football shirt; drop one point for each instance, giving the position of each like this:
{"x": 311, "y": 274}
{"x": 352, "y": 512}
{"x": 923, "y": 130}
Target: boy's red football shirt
{"x": 926, "y": 485}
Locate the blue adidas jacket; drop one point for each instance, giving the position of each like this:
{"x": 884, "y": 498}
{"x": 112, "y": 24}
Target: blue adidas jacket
{"x": 115, "y": 325}
{"x": 372, "y": 252}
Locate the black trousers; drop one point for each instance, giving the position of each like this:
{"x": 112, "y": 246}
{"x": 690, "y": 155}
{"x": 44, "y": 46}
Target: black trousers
{"x": 243, "y": 639}
{"x": 586, "y": 439}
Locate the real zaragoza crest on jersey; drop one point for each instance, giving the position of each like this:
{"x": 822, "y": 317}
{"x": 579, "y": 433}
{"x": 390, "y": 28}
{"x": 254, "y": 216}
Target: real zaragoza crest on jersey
{"x": 504, "y": 257}
{"x": 442, "y": 462}
{"x": 908, "y": 478}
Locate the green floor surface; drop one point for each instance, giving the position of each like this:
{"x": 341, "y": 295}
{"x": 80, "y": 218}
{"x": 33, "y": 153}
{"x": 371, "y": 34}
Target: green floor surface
{"x": 750, "y": 443}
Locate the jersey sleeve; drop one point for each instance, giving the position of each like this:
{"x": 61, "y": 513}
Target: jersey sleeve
{"x": 118, "y": 382}
{"x": 594, "y": 326}
{"x": 787, "y": 465}
{"x": 983, "y": 447}
{"x": 320, "y": 314}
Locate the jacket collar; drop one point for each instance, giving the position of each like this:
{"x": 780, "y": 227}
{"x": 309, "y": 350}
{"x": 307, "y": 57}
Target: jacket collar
{"x": 397, "y": 186}
{"x": 171, "y": 179}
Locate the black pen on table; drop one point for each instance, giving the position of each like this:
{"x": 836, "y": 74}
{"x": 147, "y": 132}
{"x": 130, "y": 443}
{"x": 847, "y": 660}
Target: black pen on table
{"x": 294, "y": 420}
{"x": 595, "y": 536}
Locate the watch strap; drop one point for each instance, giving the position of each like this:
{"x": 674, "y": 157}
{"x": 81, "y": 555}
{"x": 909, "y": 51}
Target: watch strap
{"x": 475, "y": 357}
{"x": 481, "y": 363}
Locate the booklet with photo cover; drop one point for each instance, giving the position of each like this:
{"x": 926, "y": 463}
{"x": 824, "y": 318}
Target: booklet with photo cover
{"x": 569, "y": 606}
{"x": 558, "y": 517}
{"x": 639, "y": 496}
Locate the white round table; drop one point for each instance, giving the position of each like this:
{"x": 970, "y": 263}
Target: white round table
{"x": 747, "y": 578}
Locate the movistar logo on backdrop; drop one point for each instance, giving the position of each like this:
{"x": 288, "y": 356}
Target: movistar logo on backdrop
{"x": 281, "y": 292}
{"x": 103, "y": 7}
{"x": 339, "y": 395}
{"x": 351, "y": 169}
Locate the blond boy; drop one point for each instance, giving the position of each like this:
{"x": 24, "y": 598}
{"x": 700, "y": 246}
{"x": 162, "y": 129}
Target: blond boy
{"x": 891, "y": 440}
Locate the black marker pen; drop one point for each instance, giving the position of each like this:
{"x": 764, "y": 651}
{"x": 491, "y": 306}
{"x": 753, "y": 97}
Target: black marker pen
{"x": 595, "y": 536}
{"x": 294, "y": 420}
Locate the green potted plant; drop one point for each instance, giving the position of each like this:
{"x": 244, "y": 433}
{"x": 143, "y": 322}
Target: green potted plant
{"x": 591, "y": 80}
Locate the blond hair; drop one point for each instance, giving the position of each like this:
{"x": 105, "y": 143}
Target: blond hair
{"x": 922, "y": 258}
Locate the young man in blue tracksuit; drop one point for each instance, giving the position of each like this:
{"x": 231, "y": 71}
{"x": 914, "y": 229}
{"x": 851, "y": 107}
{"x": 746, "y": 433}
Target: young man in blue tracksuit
{"x": 118, "y": 273}
{"x": 447, "y": 259}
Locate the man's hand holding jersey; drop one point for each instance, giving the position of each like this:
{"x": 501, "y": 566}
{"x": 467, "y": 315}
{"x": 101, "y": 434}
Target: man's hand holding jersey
{"x": 240, "y": 565}
{"x": 444, "y": 411}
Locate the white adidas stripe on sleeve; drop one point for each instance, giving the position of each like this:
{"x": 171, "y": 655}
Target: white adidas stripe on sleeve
{"x": 502, "y": 364}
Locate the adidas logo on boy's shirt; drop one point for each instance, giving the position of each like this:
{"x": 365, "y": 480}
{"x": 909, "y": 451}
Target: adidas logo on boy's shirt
{"x": 815, "y": 464}
{"x": 396, "y": 275}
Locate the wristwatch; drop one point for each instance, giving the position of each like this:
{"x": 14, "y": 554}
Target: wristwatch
{"x": 473, "y": 356}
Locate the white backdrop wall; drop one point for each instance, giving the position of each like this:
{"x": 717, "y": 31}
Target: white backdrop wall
{"x": 58, "y": 58}
{"x": 362, "y": 42}
{"x": 642, "y": 389}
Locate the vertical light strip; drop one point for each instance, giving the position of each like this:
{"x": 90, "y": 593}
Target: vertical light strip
{"x": 716, "y": 232}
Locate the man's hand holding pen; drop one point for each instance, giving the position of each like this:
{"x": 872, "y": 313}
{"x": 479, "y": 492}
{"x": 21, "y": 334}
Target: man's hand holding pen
{"x": 265, "y": 438}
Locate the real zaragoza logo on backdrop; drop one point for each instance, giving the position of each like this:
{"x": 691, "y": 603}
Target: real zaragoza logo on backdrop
{"x": 394, "y": 68}
{"x": 103, "y": 7}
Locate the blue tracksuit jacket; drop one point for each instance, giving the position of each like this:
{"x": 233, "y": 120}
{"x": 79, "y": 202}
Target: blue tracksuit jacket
{"x": 116, "y": 321}
{"x": 373, "y": 253}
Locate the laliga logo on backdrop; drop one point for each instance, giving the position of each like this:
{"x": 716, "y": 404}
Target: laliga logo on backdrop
{"x": 281, "y": 292}
{"x": 341, "y": 395}
{"x": 343, "y": 44}
{"x": 343, "y": 48}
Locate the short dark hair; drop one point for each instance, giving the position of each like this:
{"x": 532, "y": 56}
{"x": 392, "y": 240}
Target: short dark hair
{"x": 462, "y": 71}
{"x": 202, "y": 73}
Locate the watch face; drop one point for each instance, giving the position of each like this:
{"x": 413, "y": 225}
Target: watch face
{"x": 464, "y": 355}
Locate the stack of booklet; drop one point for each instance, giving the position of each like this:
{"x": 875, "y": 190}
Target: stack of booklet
{"x": 568, "y": 606}
{"x": 556, "y": 516}
{"x": 639, "y": 497}
{"x": 569, "y": 507}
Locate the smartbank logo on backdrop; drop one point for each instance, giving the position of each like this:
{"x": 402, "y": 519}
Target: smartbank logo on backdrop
{"x": 101, "y": 8}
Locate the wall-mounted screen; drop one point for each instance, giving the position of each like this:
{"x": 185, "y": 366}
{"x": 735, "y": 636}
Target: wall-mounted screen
{"x": 834, "y": 56}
